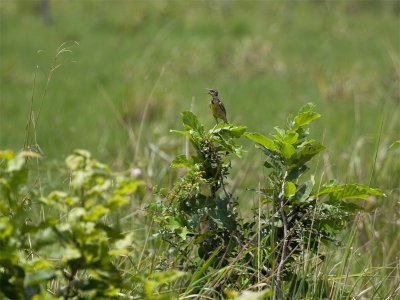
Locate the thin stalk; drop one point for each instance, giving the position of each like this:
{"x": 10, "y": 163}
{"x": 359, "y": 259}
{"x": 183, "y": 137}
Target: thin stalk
{"x": 284, "y": 255}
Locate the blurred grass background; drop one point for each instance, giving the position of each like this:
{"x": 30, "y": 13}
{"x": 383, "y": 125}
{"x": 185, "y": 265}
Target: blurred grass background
{"x": 133, "y": 66}
{"x": 267, "y": 58}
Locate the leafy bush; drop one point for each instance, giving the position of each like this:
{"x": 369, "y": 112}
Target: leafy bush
{"x": 295, "y": 216}
{"x": 70, "y": 250}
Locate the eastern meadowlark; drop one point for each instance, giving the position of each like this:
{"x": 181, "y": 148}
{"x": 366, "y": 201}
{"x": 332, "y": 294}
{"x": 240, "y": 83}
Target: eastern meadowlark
{"x": 217, "y": 107}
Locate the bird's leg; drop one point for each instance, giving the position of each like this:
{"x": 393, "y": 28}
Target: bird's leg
{"x": 216, "y": 120}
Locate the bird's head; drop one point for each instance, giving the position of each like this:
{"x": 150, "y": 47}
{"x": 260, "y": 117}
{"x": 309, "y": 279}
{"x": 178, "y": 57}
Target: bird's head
{"x": 213, "y": 93}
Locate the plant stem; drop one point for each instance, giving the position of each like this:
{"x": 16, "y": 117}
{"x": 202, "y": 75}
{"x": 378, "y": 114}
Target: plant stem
{"x": 284, "y": 254}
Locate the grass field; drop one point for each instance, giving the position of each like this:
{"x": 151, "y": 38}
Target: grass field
{"x": 127, "y": 69}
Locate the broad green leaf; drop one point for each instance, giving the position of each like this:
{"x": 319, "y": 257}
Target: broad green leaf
{"x": 185, "y": 133}
{"x": 173, "y": 224}
{"x": 287, "y": 151}
{"x": 296, "y": 172}
{"x": 305, "y": 116}
{"x": 231, "y": 130}
{"x": 262, "y": 140}
{"x": 308, "y": 152}
{"x": 190, "y": 121}
{"x": 349, "y": 191}
{"x": 237, "y": 131}
{"x": 181, "y": 162}
{"x": 289, "y": 189}
{"x": 291, "y": 137}
{"x": 304, "y": 191}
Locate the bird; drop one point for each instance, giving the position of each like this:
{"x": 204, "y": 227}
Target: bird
{"x": 217, "y": 107}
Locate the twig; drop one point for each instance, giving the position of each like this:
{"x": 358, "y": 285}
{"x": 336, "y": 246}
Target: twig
{"x": 285, "y": 241}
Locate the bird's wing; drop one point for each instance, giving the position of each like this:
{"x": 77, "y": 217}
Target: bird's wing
{"x": 222, "y": 107}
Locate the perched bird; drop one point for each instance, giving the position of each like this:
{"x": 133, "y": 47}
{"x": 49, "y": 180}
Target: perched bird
{"x": 217, "y": 107}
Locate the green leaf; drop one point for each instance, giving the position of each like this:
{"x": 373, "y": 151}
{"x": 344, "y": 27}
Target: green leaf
{"x": 308, "y": 152}
{"x": 185, "y": 133}
{"x": 289, "y": 189}
{"x": 229, "y": 129}
{"x": 181, "y": 162}
{"x": 190, "y": 121}
{"x": 291, "y": 137}
{"x": 304, "y": 191}
{"x": 237, "y": 131}
{"x": 349, "y": 191}
{"x": 296, "y": 172}
{"x": 287, "y": 151}
{"x": 262, "y": 140}
{"x": 183, "y": 233}
{"x": 173, "y": 224}
{"x": 305, "y": 116}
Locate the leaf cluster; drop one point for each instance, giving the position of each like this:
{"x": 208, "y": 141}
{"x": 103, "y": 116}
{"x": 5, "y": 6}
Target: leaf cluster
{"x": 75, "y": 244}
{"x": 200, "y": 210}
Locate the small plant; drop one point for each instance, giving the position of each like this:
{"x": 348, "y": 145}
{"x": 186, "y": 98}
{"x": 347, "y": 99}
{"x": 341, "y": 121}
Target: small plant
{"x": 200, "y": 213}
{"x": 295, "y": 216}
{"x": 70, "y": 251}
{"x": 299, "y": 214}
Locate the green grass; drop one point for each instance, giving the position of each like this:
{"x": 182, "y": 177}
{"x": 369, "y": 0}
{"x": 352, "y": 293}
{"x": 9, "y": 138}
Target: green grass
{"x": 148, "y": 61}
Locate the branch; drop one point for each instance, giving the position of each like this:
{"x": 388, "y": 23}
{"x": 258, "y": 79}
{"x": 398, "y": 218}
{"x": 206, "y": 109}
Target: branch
{"x": 284, "y": 255}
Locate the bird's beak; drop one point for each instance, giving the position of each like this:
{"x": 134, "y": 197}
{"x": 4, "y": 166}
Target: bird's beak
{"x": 208, "y": 90}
